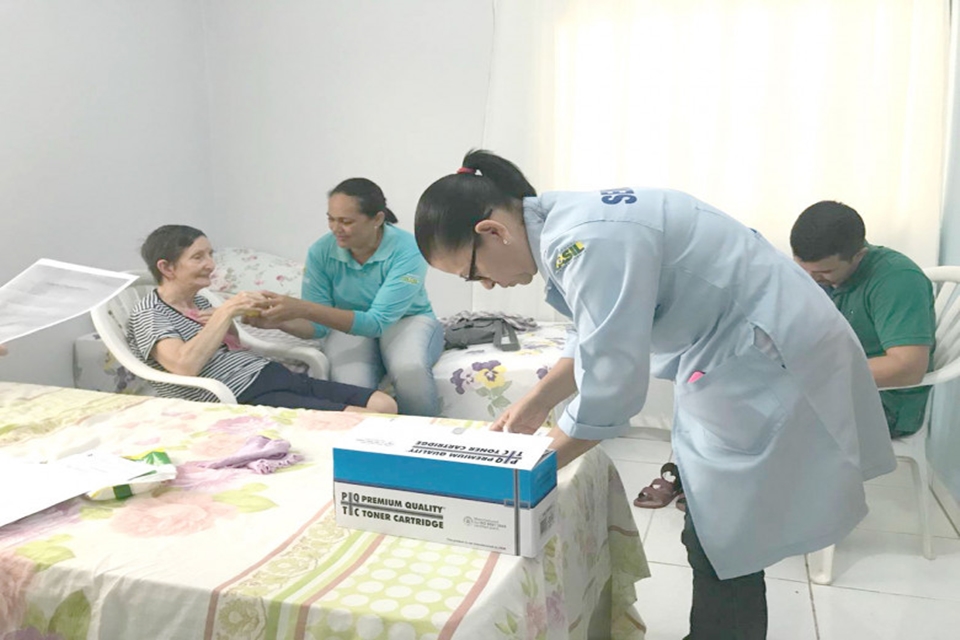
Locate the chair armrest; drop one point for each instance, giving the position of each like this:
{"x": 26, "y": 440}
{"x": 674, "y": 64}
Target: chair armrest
{"x": 944, "y": 374}
{"x": 115, "y": 341}
{"x": 215, "y": 387}
{"x": 278, "y": 345}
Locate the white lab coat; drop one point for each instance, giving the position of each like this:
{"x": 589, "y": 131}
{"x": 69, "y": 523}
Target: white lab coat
{"x": 775, "y": 439}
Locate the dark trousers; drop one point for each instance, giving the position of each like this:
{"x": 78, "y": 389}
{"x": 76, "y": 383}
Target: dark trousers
{"x": 276, "y": 386}
{"x": 734, "y": 609}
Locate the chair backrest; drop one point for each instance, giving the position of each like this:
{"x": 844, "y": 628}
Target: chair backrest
{"x": 110, "y": 320}
{"x": 946, "y": 354}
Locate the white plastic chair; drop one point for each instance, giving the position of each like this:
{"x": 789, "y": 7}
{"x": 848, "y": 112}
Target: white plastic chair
{"x": 278, "y": 345}
{"x": 246, "y": 269}
{"x": 110, "y": 320}
{"x": 912, "y": 449}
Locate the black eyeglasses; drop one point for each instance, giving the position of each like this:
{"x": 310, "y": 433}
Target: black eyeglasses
{"x": 472, "y": 274}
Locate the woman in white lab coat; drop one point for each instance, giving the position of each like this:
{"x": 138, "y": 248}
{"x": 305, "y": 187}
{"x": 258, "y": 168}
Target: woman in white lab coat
{"x": 777, "y": 420}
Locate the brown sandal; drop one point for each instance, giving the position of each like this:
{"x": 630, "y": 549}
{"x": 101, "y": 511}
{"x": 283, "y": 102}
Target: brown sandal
{"x": 662, "y": 490}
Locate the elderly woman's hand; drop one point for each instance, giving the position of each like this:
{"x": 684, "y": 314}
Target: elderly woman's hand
{"x": 245, "y": 303}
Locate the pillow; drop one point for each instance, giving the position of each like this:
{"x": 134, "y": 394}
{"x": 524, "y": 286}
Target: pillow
{"x": 244, "y": 269}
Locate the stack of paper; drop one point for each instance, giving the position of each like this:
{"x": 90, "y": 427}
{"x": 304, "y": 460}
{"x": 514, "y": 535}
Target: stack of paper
{"x": 29, "y": 487}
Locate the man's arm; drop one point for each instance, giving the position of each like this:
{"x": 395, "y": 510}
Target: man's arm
{"x": 900, "y": 366}
{"x": 901, "y": 306}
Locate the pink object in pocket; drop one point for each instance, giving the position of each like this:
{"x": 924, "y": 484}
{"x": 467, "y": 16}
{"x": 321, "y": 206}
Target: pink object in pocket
{"x": 696, "y": 375}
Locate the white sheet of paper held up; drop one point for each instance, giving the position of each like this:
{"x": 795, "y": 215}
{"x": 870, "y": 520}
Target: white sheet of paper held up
{"x": 49, "y": 292}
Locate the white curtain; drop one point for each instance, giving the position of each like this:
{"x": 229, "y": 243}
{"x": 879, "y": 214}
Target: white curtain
{"x": 943, "y": 447}
{"x": 759, "y": 107}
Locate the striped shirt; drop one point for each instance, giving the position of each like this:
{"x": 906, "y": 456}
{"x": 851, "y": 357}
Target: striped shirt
{"x": 153, "y": 320}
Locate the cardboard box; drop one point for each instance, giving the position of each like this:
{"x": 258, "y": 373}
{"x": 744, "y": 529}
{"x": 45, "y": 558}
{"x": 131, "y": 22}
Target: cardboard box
{"x": 471, "y": 487}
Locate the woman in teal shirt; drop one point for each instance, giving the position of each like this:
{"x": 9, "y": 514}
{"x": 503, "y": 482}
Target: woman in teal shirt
{"x": 364, "y": 294}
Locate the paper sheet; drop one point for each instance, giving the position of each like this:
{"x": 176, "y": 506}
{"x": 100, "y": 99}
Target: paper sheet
{"x": 29, "y": 487}
{"x": 413, "y": 436}
{"x": 49, "y": 292}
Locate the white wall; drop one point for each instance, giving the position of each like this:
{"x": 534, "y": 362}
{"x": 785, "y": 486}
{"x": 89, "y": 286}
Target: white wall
{"x": 235, "y": 116}
{"x": 103, "y": 136}
{"x": 306, "y": 94}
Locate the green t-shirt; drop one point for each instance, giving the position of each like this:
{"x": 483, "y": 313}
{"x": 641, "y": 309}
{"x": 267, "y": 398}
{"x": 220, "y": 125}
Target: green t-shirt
{"x": 889, "y": 303}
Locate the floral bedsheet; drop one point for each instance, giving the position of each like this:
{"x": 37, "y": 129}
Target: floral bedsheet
{"x": 227, "y": 553}
{"x": 480, "y": 382}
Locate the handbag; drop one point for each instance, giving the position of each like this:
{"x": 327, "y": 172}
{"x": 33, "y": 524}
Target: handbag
{"x": 464, "y": 332}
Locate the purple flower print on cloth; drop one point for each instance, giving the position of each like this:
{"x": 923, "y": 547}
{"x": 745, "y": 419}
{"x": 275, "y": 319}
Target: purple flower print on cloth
{"x": 486, "y": 368}
{"x": 461, "y": 381}
{"x": 542, "y": 372}
{"x": 124, "y": 378}
{"x": 491, "y": 374}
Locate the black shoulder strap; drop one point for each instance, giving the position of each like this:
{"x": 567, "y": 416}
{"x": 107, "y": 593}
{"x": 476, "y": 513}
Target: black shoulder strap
{"x": 512, "y": 343}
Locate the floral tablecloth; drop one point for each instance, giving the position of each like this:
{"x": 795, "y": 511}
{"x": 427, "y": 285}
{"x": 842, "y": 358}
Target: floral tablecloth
{"x": 228, "y": 553}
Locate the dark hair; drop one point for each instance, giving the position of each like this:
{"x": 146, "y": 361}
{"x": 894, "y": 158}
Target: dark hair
{"x": 453, "y": 205}
{"x": 369, "y": 196}
{"x": 827, "y": 229}
{"x": 167, "y": 243}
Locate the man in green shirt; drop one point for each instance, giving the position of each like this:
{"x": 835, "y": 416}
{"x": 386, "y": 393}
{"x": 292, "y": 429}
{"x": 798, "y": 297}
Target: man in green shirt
{"x": 884, "y": 296}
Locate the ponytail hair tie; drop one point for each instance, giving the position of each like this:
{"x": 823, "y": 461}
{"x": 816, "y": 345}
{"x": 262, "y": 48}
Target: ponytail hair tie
{"x": 472, "y": 172}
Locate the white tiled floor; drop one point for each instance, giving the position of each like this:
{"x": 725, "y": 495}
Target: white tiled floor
{"x": 882, "y": 589}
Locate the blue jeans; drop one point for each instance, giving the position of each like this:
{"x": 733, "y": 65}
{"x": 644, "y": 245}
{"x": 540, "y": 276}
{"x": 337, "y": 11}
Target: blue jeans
{"x": 406, "y": 353}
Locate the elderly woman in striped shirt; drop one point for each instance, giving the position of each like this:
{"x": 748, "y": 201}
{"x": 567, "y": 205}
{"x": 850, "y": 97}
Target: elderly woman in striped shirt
{"x": 176, "y": 330}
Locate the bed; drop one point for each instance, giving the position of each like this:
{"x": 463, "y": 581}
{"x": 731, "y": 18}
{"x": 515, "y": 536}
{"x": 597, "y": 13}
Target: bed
{"x": 228, "y": 553}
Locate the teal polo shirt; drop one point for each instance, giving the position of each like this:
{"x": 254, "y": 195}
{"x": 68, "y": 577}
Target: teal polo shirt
{"x": 889, "y": 303}
{"x": 383, "y": 290}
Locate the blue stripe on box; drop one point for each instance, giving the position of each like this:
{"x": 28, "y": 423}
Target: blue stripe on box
{"x": 444, "y": 477}
{"x": 544, "y": 476}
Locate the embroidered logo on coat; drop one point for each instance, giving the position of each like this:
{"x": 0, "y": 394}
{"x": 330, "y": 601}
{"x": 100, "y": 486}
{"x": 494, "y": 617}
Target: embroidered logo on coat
{"x": 567, "y": 255}
{"x": 410, "y": 279}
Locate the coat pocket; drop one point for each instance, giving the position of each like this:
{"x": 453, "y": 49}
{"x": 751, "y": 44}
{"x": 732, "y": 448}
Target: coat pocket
{"x": 739, "y": 404}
